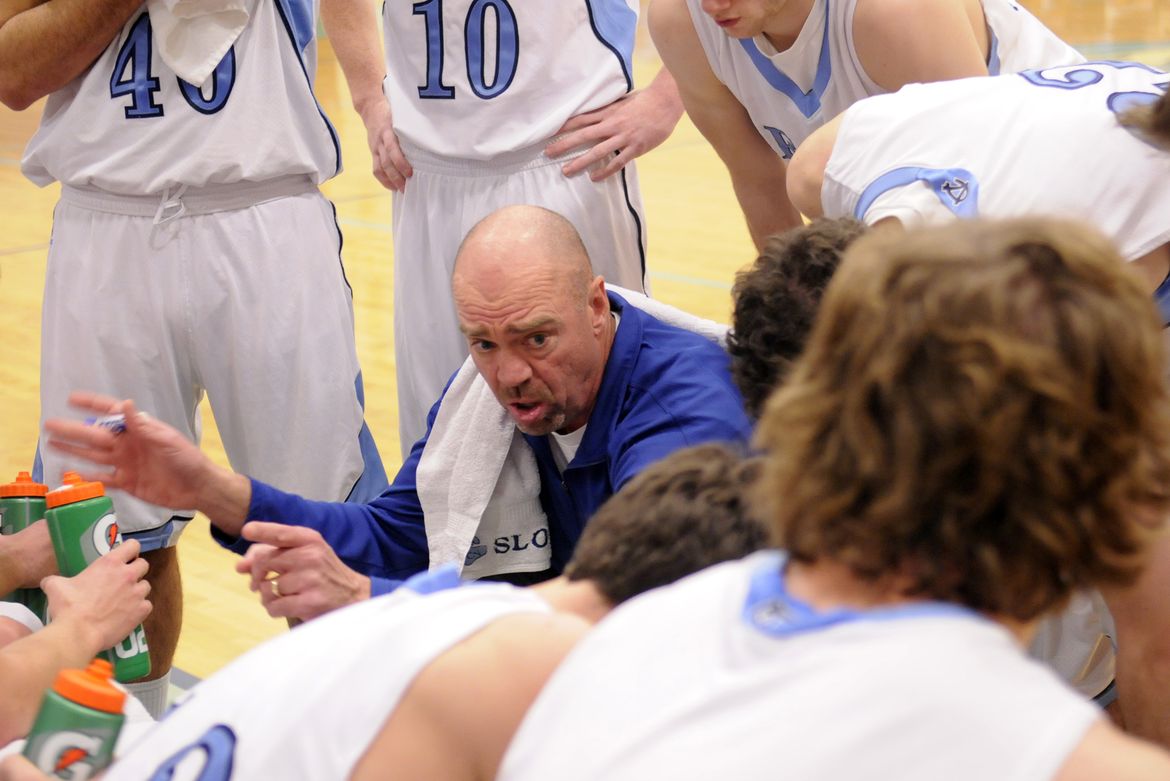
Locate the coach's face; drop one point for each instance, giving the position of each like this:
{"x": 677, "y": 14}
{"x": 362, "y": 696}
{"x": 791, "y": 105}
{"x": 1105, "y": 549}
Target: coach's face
{"x": 540, "y": 340}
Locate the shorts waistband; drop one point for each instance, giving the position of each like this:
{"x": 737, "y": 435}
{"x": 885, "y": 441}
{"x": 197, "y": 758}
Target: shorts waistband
{"x": 187, "y": 201}
{"x": 523, "y": 159}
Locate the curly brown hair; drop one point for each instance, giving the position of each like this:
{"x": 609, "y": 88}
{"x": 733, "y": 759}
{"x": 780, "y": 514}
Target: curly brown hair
{"x": 980, "y": 411}
{"x": 776, "y": 301}
{"x": 686, "y": 512}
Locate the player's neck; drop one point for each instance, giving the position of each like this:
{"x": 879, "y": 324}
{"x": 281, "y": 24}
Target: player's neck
{"x": 830, "y": 586}
{"x": 783, "y": 27}
{"x": 579, "y": 597}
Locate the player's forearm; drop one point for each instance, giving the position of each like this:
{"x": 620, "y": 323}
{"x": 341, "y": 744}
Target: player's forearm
{"x": 766, "y": 207}
{"x": 45, "y": 46}
{"x": 665, "y": 88}
{"x": 353, "y": 29}
{"x": 29, "y": 666}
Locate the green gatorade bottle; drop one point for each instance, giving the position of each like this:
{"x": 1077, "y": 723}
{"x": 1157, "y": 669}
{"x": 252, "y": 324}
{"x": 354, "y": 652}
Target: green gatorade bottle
{"x": 83, "y": 527}
{"x": 78, "y": 723}
{"x": 22, "y": 503}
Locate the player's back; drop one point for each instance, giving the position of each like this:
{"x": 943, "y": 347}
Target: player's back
{"x": 130, "y": 126}
{"x": 726, "y": 675}
{"x": 475, "y": 79}
{"x": 309, "y": 704}
{"x": 1041, "y": 142}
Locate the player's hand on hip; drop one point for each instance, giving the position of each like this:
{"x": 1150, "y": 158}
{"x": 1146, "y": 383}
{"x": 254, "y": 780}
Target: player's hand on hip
{"x": 150, "y": 459}
{"x": 108, "y": 598}
{"x": 617, "y": 133}
{"x": 302, "y": 576}
{"x": 391, "y": 167}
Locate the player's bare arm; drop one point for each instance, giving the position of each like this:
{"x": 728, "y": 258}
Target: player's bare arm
{"x": 26, "y": 557}
{"x": 623, "y": 130}
{"x": 45, "y": 44}
{"x": 90, "y": 612}
{"x": 1108, "y": 753}
{"x": 1142, "y": 615}
{"x": 903, "y": 42}
{"x": 757, "y": 172}
{"x": 353, "y": 29}
{"x": 806, "y": 169}
{"x": 459, "y": 715}
{"x": 152, "y": 461}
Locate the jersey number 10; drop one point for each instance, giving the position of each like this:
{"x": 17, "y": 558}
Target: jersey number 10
{"x": 507, "y": 48}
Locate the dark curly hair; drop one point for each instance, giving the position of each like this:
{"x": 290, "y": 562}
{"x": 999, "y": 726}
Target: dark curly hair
{"x": 686, "y": 512}
{"x": 776, "y": 301}
{"x": 1152, "y": 121}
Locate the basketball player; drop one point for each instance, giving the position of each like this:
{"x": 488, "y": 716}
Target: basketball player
{"x": 775, "y": 302}
{"x": 433, "y": 686}
{"x": 940, "y": 159}
{"x": 192, "y": 252}
{"x": 936, "y": 167}
{"x": 965, "y": 479}
{"x": 757, "y": 76}
{"x": 488, "y": 104}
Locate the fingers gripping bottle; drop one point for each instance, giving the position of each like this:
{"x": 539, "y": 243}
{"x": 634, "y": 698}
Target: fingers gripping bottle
{"x": 22, "y": 503}
{"x": 77, "y": 726}
{"x": 83, "y": 527}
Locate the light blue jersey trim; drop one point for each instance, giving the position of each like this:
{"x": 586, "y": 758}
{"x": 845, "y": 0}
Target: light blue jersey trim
{"x": 373, "y": 481}
{"x": 614, "y": 24}
{"x": 1162, "y": 300}
{"x": 301, "y": 27}
{"x": 442, "y": 578}
{"x": 770, "y": 609}
{"x": 809, "y": 102}
{"x": 993, "y": 64}
{"x": 956, "y": 188}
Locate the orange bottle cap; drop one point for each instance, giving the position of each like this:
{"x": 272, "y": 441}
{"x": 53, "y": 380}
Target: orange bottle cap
{"x": 74, "y": 490}
{"x": 23, "y": 485}
{"x": 91, "y": 687}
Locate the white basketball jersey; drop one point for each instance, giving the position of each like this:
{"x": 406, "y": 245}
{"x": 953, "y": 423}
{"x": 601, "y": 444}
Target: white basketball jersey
{"x": 790, "y": 94}
{"x": 473, "y": 79}
{"x": 308, "y": 704}
{"x": 130, "y": 126}
{"x": 1041, "y": 142}
{"x": 725, "y": 675}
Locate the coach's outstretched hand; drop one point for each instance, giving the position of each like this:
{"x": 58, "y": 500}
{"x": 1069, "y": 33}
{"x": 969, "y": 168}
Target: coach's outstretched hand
{"x": 152, "y": 461}
{"x": 296, "y": 572}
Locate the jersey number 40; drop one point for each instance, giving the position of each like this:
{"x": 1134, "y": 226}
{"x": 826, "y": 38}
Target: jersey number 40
{"x": 132, "y": 77}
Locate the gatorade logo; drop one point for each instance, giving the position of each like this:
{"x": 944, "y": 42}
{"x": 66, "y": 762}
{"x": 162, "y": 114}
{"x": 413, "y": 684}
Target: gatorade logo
{"x": 103, "y": 536}
{"x": 133, "y": 645}
{"x": 106, "y": 534}
{"x": 68, "y": 755}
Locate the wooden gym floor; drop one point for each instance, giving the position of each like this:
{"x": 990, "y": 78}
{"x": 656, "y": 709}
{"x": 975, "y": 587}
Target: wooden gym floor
{"x": 696, "y": 236}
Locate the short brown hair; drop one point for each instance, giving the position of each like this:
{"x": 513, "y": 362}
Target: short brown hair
{"x": 980, "y": 412}
{"x": 684, "y": 513}
{"x": 776, "y": 301}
